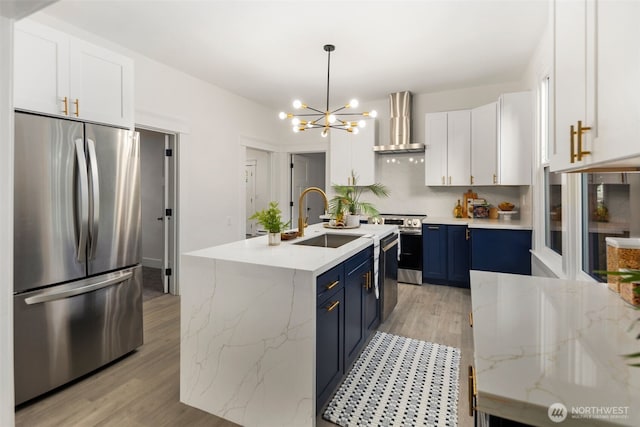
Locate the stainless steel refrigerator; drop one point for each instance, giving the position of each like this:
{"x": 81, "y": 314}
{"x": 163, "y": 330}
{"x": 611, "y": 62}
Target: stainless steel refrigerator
{"x": 77, "y": 278}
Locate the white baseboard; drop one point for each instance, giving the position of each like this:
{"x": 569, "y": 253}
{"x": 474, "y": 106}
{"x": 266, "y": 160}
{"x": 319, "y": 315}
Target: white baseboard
{"x": 151, "y": 262}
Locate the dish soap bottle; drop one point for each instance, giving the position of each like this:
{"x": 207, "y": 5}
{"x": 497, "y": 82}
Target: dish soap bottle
{"x": 457, "y": 210}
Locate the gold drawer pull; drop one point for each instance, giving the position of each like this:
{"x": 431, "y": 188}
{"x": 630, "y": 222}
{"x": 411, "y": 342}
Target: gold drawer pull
{"x": 471, "y": 319}
{"x": 332, "y": 285}
{"x": 333, "y": 305}
{"x": 66, "y": 106}
{"x": 472, "y": 391}
{"x": 443, "y": 180}
{"x": 77, "y": 104}
{"x": 495, "y": 179}
{"x": 471, "y": 179}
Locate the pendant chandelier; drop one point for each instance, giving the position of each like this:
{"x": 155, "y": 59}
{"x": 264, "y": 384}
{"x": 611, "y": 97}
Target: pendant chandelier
{"x": 327, "y": 119}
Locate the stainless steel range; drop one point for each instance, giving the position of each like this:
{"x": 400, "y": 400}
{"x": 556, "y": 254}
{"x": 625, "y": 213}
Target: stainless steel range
{"x": 410, "y": 262}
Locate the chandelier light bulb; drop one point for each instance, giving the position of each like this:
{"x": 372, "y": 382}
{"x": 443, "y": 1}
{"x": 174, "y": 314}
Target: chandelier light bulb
{"x": 282, "y": 115}
{"x": 309, "y": 124}
{"x": 362, "y": 123}
{"x": 295, "y": 121}
{"x": 373, "y": 114}
{"x": 332, "y": 118}
{"x": 324, "y": 133}
{"x": 295, "y": 129}
{"x": 356, "y": 131}
{"x": 353, "y": 103}
{"x": 297, "y": 104}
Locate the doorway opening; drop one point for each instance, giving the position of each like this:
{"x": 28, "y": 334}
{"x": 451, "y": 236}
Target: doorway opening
{"x": 308, "y": 170}
{"x": 158, "y": 183}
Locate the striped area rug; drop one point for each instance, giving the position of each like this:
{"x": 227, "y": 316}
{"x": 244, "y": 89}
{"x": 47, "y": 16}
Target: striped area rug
{"x": 399, "y": 381}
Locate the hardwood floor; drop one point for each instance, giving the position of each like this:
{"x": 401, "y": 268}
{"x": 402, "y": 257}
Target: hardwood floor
{"x": 142, "y": 389}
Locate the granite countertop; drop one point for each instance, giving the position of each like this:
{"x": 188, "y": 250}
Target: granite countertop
{"x": 287, "y": 255}
{"x": 512, "y": 224}
{"x": 540, "y": 341}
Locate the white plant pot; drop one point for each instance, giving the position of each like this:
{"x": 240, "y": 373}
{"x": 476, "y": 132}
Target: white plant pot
{"x": 352, "y": 220}
{"x": 274, "y": 239}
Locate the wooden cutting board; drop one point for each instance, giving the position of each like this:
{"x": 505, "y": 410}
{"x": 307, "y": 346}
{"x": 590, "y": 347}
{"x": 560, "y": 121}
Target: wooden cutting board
{"x": 466, "y": 196}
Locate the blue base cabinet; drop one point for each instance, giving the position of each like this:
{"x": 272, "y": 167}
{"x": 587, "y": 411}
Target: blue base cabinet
{"x": 347, "y": 312}
{"x": 501, "y": 251}
{"x": 445, "y": 252}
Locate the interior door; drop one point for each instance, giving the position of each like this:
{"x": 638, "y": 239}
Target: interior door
{"x": 115, "y": 231}
{"x": 299, "y": 181}
{"x": 250, "y": 194}
{"x": 47, "y": 245}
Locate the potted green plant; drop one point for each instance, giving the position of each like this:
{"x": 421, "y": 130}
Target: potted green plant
{"x": 271, "y": 220}
{"x": 346, "y": 206}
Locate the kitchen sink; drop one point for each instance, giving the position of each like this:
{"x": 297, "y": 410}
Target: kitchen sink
{"x": 329, "y": 240}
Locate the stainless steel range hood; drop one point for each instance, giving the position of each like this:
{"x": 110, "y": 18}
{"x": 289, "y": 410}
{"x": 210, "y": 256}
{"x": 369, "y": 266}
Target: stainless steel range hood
{"x": 400, "y": 108}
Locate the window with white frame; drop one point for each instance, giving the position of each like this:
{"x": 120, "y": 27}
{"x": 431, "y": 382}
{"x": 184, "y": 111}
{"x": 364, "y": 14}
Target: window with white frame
{"x": 552, "y": 181}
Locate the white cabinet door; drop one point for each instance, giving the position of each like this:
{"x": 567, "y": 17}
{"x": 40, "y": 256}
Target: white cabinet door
{"x": 515, "y": 139}
{"x": 484, "y": 144}
{"x": 436, "y": 149}
{"x": 617, "y": 130}
{"x": 570, "y": 78}
{"x": 41, "y": 68}
{"x": 353, "y": 153}
{"x": 101, "y": 85}
{"x": 458, "y": 147}
{"x": 362, "y": 155}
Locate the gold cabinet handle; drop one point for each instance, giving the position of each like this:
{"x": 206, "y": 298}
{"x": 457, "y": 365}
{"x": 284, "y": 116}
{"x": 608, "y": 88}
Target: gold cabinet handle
{"x": 467, "y": 235}
{"x": 495, "y": 179}
{"x": 65, "y": 101}
{"x": 579, "y": 132}
{"x": 77, "y": 104}
{"x": 449, "y": 179}
{"x": 332, "y": 285}
{"x": 471, "y": 319}
{"x": 442, "y": 179}
{"x": 471, "y": 179}
{"x": 332, "y": 306}
{"x": 472, "y": 391}
{"x": 572, "y": 152}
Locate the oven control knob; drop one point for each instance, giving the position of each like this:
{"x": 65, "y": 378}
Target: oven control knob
{"x": 415, "y": 222}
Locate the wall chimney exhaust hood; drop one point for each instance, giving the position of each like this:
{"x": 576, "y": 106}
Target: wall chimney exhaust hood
{"x": 400, "y": 108}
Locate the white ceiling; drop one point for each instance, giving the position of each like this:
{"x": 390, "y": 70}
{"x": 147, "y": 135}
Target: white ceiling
{"x": 272, "y": 51}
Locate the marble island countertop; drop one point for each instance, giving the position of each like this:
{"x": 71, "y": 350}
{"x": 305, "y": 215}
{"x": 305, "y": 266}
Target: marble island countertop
{"x": 540, "y": 341}
{"x": 289, "y": 255}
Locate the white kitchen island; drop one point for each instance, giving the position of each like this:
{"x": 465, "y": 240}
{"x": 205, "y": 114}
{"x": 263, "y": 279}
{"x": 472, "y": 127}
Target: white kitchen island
{"x": 541, "y": 341}
{"x": 247, "y": 349}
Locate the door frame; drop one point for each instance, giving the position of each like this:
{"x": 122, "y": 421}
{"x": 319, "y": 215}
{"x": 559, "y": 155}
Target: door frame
{"x": 254, "y": 165}
{"x": 327, "y": 179}
{"x": 180, "y": 132}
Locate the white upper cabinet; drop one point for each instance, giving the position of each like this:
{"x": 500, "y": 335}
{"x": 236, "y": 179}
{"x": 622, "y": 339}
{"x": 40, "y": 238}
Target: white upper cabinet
{"x": 448, "y": 145}
{"x": 41, "y": 61}
{"x": 597, "y": 81}
{"x": 515, "y": 139}
{"x": 60, "y": 75}
{"x": 349, "y": 152}
{"x": 484, "y": 144}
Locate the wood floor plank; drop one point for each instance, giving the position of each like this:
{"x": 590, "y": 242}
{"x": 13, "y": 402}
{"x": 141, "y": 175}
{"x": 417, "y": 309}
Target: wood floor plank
{"x": 142, "y": 389}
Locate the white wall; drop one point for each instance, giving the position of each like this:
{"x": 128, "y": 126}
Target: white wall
{"x": 6, "y": 222}
{"x": 151, "y": 195}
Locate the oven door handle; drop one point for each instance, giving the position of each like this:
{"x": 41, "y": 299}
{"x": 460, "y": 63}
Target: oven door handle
{"x": 390, "y": 245}
{"x": 411, "y": 232}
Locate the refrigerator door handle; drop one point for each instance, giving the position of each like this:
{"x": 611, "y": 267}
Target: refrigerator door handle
{"x": 84, "y": 201}
{"x": 53, "y": 296}
{"x": 94, "y": 201}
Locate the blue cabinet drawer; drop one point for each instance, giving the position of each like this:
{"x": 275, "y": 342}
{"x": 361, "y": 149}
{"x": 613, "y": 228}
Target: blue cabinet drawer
{"x": 330, "y": 281}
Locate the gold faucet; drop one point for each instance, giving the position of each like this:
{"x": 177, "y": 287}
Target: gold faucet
{"x": 302, "y": 223}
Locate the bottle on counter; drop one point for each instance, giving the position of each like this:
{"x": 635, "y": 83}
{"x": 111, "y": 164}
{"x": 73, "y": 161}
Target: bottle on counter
{"x": 457, "y": 210}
